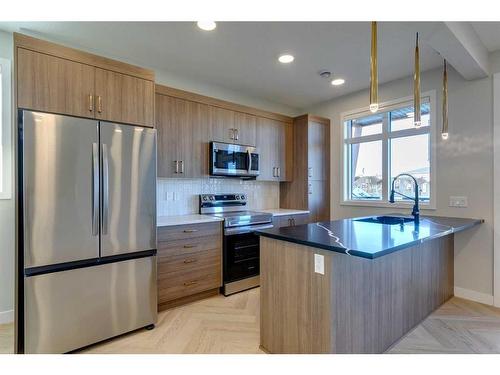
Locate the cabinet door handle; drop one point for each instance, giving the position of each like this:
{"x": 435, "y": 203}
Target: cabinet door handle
{"x": 279, "y": 172}
{"x": 99, "y": 103}
{"x": 289, "y": 222}
{"x": 91, "y": 102}
{"x": 189, "y": 246}
{"x": 182, "y": 165}
{"x": 187, "y": 261}
{"x": 231, "y": 134}
{"x": 274, "y": 171}
{"x": 237, "y": 134}
{"x": 189, "y": 283}
{"x": 293, "y": 221}
{"x": 176, "y": 166}
{"x": 190, "y": 230}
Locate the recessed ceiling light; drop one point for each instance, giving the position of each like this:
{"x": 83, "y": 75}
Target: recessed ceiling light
{"x": 338, "y": 81}
{"x": 286, "y": 59}
{"x": 207, "y": 25}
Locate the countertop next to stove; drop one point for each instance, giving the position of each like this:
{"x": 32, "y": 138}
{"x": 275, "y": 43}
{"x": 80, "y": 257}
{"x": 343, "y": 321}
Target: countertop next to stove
{"x": 284, "y": 211}
{"x": 166, "y": 221}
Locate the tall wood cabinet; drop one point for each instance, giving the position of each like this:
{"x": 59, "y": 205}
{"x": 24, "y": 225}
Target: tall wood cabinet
{"x": 57, "y": 79}
{"x": 310, "y": 185}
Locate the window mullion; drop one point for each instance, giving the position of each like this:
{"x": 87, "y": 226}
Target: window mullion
{"x": 385, "y": 157}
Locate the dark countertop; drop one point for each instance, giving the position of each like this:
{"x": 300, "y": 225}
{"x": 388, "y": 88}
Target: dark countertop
{"x": 369, "y": 240}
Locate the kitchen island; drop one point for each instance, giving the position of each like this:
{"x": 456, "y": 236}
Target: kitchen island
{"x": 353, "y": 285}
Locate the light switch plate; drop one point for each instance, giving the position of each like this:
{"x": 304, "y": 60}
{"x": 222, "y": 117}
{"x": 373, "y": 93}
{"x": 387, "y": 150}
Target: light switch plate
{"x": 456, "y": 201}
{"x": 319, "y": 264}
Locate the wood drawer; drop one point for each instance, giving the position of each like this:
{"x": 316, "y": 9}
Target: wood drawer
{"x": 188, "y": 246}
{"x": 178, "y": 264}
{"x": 180, "y": 284}
{"x": 181, "y": 232}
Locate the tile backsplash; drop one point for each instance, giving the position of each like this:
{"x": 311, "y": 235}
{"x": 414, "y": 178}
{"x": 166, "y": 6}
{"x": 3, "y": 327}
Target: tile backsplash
{"x": 180, "y": 196}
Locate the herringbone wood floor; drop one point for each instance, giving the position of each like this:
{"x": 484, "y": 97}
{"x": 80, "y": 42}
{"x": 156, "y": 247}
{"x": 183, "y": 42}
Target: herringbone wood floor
{"x": 7, "y": 338}
{"x": 231, "y": 325}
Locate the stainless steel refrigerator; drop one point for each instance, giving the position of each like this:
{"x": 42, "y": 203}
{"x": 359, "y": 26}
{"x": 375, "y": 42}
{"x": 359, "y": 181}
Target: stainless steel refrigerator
{"x": 87, "y": 231}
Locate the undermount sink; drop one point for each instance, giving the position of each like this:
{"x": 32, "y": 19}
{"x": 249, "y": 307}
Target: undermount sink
{"x": 388, "y": 220}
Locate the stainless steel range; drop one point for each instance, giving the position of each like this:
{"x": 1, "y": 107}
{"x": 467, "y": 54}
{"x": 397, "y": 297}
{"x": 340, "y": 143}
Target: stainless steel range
{"x": 241, "y": 245}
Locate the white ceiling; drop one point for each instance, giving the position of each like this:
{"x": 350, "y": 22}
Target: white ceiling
{"x": 242, "y": 56}
{"x": 489, "y": 33}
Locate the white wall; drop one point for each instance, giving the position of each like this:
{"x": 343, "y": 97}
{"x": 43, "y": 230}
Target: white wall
{"x": 7, "y": 227}
{"x": 464, "y": 167}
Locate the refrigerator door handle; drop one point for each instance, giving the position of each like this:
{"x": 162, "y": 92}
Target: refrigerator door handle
{"x": 105, "y": 189}
{"x": 95, "y": 189}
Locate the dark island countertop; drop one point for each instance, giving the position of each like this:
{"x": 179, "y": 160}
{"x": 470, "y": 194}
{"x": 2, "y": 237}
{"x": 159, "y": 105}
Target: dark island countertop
{"x": 369, "y": 240}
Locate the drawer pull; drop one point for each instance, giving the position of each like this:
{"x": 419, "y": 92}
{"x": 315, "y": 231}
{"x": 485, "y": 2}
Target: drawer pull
{"x": 189, "y": 246}
{"x": 187, "y": 261}
{"x": 190, "y": 283}
{"x": 190, "y": 230}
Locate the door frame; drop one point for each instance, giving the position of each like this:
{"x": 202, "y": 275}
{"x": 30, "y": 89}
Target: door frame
{"x": 496, "y": 189}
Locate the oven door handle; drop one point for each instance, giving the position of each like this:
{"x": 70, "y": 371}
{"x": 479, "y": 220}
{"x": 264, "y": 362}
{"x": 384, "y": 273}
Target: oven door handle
{"x": 246, "y": 229}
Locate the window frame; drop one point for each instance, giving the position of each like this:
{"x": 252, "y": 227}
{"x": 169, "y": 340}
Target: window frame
{"x": 6, "y": 129}
{"x": 385, "y": 137}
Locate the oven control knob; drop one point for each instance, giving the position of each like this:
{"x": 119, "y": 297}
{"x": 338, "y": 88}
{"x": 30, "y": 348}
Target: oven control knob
{"x": 205, "y": 198}
{"x": 212, "y": 198}
{"x": 242, "y": 197}
{"x": 237, "y": 197}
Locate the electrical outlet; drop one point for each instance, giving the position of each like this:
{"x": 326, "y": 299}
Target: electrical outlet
{"x": 319, "y": 264}
{"x": 456, "y": 201}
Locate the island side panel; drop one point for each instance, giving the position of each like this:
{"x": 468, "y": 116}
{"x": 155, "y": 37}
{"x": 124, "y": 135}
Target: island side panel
{"x": 376, "y": 302}
{"x": 295, "y": 301}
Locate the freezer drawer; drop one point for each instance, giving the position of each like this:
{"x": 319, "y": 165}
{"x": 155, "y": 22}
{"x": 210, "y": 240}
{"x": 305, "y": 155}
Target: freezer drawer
{"x": 67, "y": 310}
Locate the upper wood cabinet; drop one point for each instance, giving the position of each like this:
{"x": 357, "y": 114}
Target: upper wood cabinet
{"x": 52, "y": 84}
{"x": 246, "y": 129}
{"x": 188, "y": 122}
{"x": 272, "y": 137}
{"x": 232, "y": 127}
{"x": 57, "y": 79}
{"x": 123, "y": 98}
{"x": 221, "y": 125}
{"x": 182, "y": 137}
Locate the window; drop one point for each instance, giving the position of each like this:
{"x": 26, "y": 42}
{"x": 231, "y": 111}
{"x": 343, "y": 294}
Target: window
{"x": 5, "y": 129}
{"x": 378, "y": 147}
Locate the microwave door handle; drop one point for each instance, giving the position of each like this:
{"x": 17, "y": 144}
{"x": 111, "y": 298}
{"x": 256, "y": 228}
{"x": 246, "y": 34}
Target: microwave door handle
{"x": 249, "y": 154}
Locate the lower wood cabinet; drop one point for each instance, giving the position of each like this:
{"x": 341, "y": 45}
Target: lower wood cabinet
{"x": 189, "y": 262}
{"x": 290, "y": 220}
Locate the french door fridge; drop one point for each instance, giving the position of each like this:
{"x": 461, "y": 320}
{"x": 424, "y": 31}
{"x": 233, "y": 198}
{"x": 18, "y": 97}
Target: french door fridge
{"x": 87, "y": 231}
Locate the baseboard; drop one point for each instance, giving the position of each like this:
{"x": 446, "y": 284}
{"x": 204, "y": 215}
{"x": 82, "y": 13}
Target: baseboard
{"x": 472, "y": 295}
{"x": 497, "y": 301}
{"x": 6, "y": 316}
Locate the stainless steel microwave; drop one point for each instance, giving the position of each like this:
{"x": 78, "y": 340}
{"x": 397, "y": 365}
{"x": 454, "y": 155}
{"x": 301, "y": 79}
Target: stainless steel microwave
{"x": 227, "y": 159}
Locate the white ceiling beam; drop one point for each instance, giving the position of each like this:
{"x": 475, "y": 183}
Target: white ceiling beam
{"x": 460, "y": 45}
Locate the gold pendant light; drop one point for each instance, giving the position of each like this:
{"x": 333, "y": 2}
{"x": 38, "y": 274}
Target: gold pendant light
{"x": 373, "y": 71}
{"x": 416, "y": 88}
{"x": 444, "y": 130}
